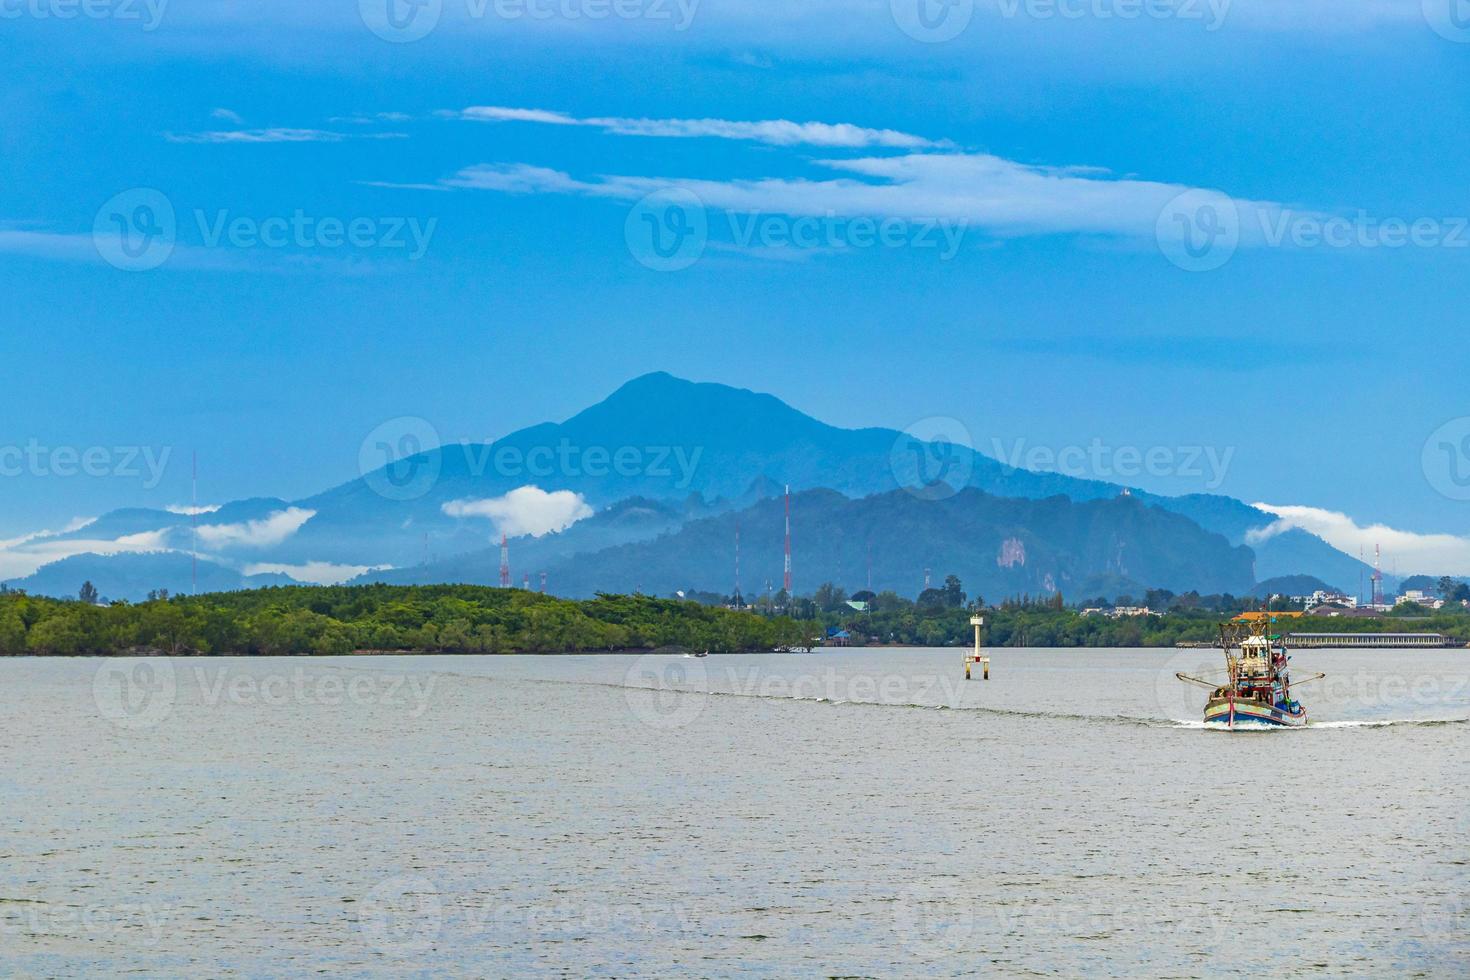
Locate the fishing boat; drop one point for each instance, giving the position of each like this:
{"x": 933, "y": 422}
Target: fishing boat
{"x": 1257, "y": 690}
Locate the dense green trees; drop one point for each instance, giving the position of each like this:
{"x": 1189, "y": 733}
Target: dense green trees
{"x": 475, "y": 619}
{"x": 339, "y": 620}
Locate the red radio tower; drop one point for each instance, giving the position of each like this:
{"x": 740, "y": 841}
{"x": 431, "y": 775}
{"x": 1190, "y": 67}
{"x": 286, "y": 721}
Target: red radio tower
{"x": 543, "y": 583}
{"x": 786, "y": 576}
{"x": 737, "y": 562}
{"x": 504, "y": 563}
{"x": 526, "y": 581}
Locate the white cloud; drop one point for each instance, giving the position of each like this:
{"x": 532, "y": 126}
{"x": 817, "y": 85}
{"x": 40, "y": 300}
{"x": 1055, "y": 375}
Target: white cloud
{"x": 49, "y": 245}
{"x": 263, "y": 533}
{"x": 278, "y": 134}
{"x": 987, "y": 192}
{"x": 368, "y": 119}
{"x": 227, "y": 115}
{"x": 525, "y": 510}
{"x": 190, "y": 509}
{"x": 75, "y": 524}
{"x": 314, "y": 572}
{"x": 1422, "y": 554}
{"x": 775, "y": 132}
{"x": 22, "y": 556}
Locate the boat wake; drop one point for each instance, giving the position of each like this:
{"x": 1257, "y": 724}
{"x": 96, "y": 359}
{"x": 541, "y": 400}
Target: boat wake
{"x": 1132, "y": 721}
{"x": 1373, "y": 723}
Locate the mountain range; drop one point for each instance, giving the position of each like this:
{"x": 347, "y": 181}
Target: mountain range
{"x": 646, "y": 490}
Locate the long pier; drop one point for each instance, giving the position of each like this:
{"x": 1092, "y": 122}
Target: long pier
{"x": 1370, "y": 640}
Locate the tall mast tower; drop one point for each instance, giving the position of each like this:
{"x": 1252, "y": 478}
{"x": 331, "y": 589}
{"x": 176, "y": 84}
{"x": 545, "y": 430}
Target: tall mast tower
{"x": 786, "y": 572}
{"x": 194, "y": 526}
{"x": 504, "y": 562}
{"x": 1377, "y": 575}
{"x": 737, "y": 563}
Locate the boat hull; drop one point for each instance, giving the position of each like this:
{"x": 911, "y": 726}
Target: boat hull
{"x": 1252, "y": 714}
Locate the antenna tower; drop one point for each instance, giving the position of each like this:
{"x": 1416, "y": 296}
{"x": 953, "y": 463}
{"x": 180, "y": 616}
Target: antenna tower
{"x": 786, "y": 572}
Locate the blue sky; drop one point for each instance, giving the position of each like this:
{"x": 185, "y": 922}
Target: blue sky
{"x": 495, "y": 168}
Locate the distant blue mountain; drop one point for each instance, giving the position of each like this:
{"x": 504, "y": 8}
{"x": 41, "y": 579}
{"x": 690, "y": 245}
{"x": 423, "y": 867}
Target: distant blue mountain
{"x": 683, "y": 450}
{"x": 736, "y": 446}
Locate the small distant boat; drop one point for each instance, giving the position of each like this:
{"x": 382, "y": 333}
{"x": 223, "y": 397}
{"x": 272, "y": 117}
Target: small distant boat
{"x": 704, "y": 654}
{"x": 1257, "y": 693}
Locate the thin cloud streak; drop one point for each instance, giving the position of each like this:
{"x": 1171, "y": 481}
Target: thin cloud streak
{"x": 773, "y": 132}
{"x": 275, "y": 135}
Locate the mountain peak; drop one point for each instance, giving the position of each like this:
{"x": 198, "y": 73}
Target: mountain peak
{"x": 677, "y": 411}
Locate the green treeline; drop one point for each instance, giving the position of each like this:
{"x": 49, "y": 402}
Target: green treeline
{"x": 1040, "y": 626}
{"x": 477, "y": 619}
{"x": 342, "y": 619}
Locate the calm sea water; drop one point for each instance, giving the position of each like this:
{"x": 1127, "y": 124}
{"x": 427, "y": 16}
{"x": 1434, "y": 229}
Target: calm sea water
{"x": 848, "y": 813}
